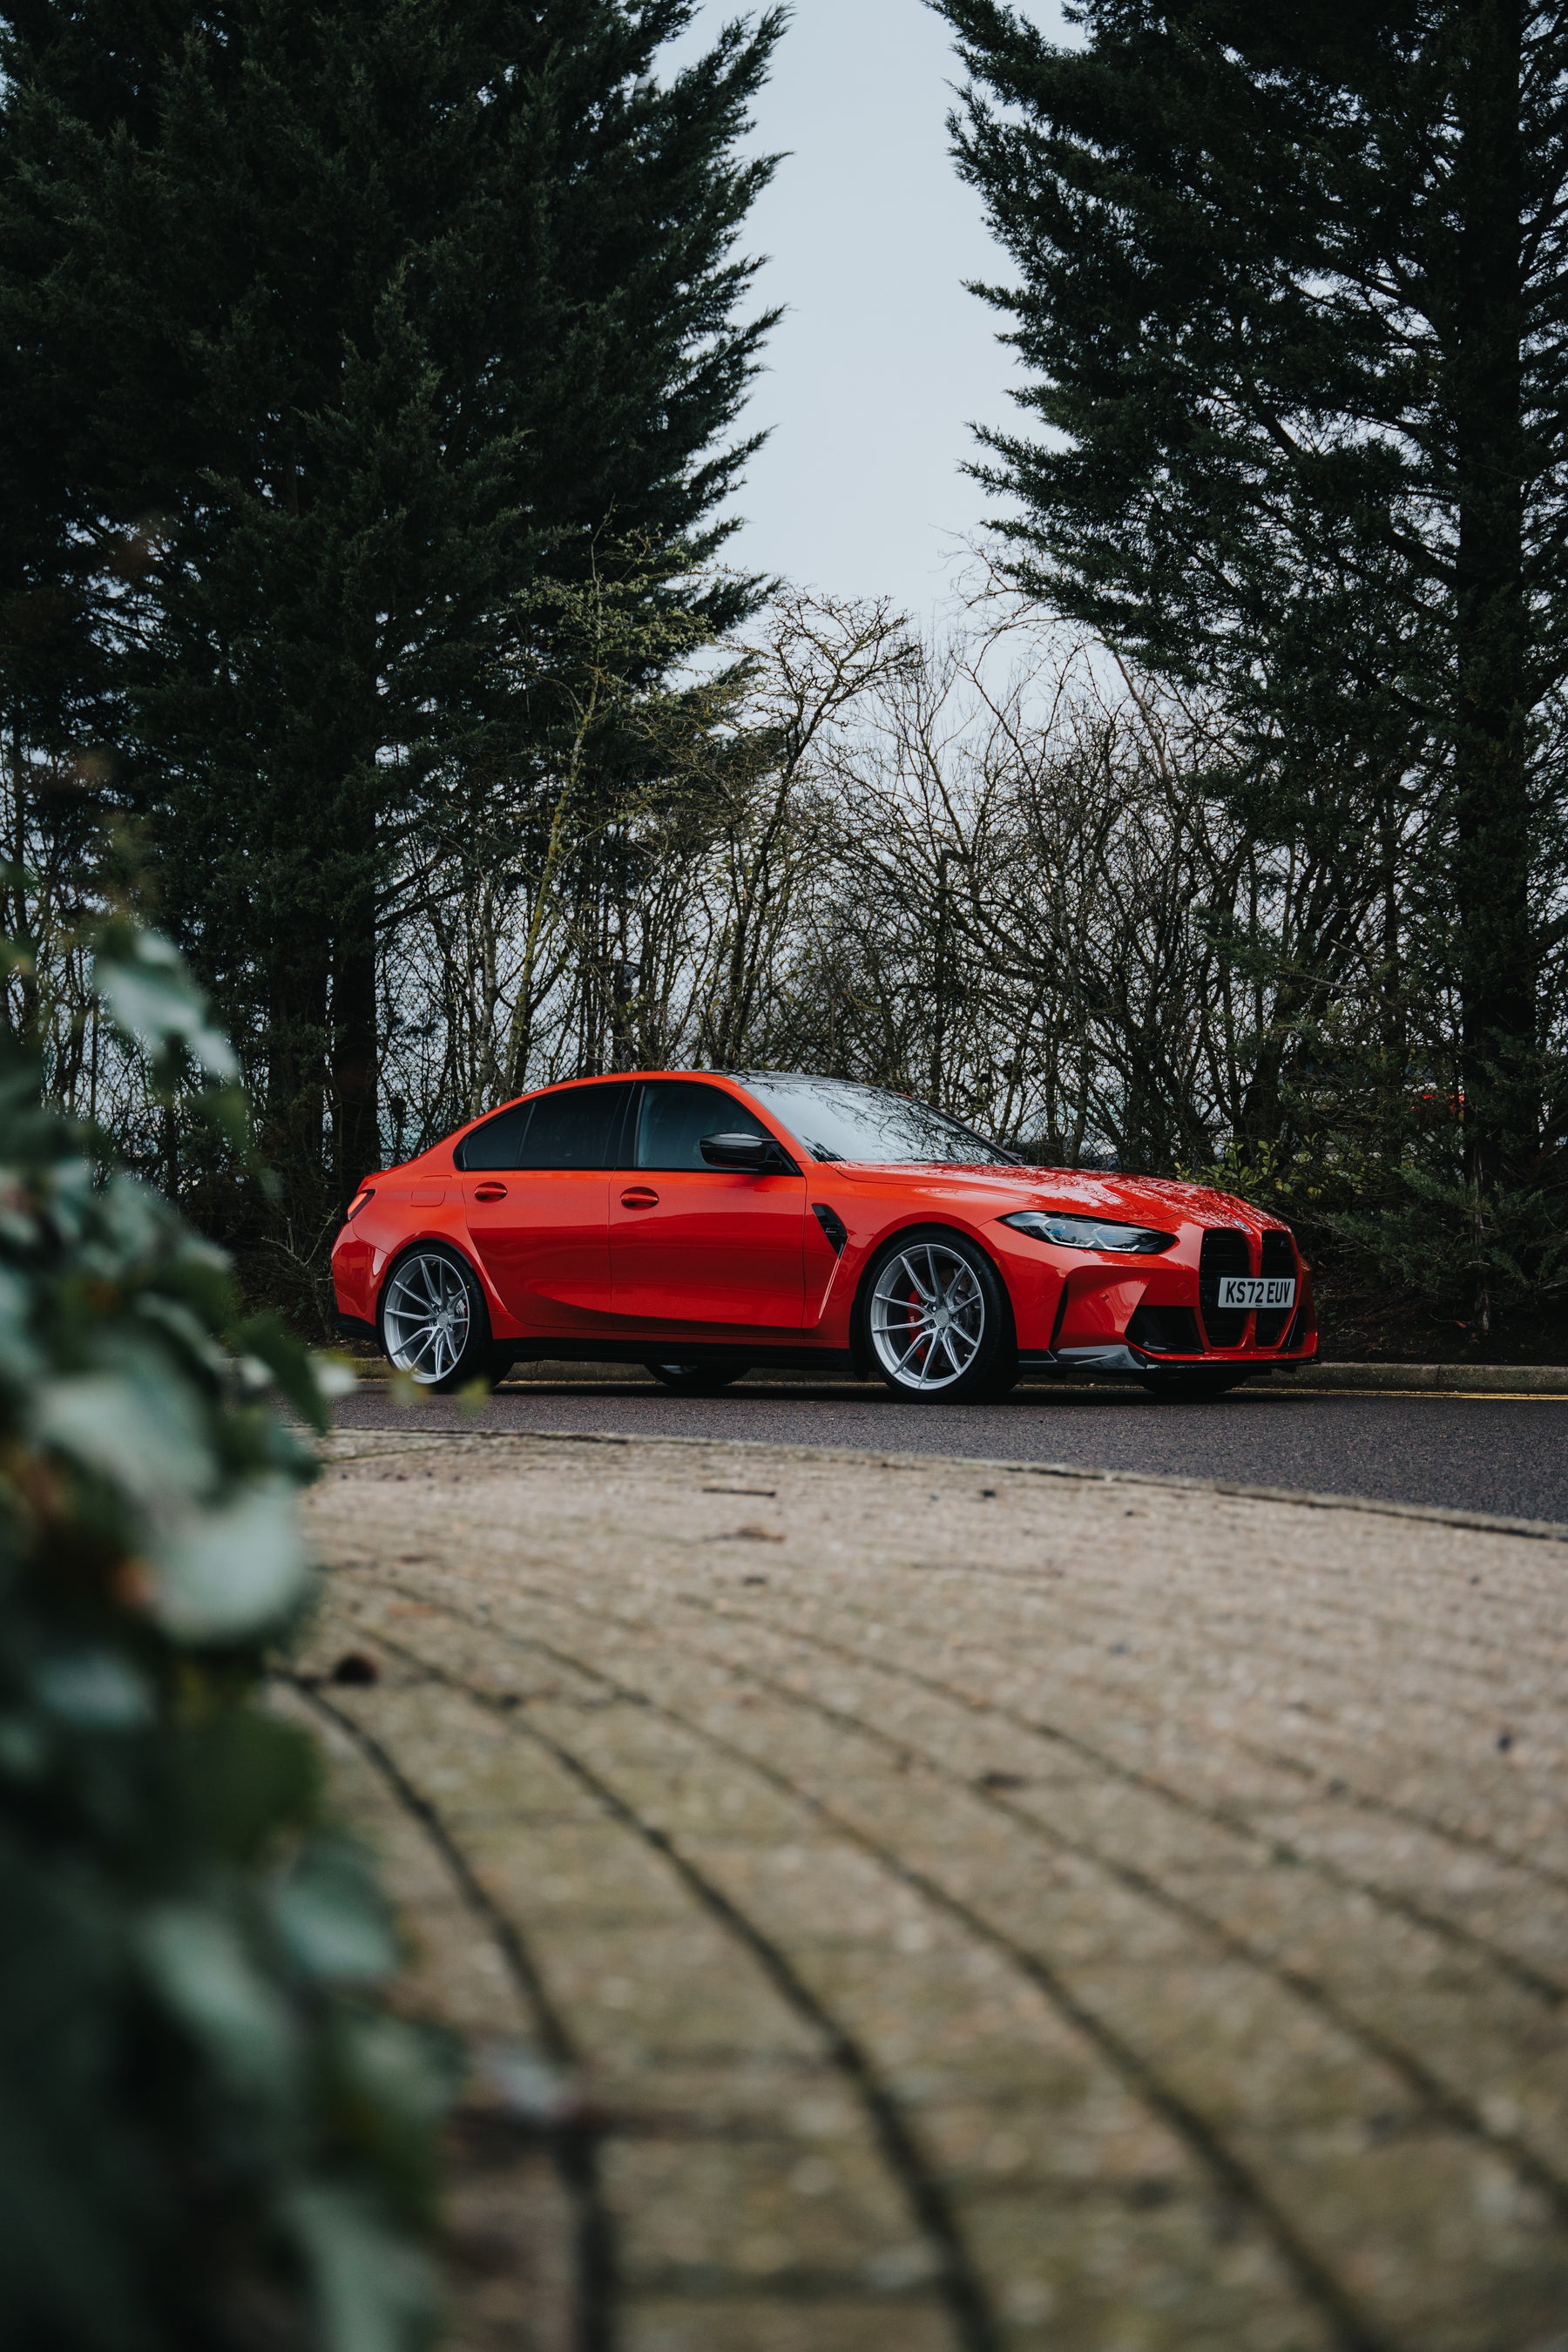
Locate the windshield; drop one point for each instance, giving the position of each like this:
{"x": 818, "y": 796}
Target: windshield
{"x": 837, "y": 1121}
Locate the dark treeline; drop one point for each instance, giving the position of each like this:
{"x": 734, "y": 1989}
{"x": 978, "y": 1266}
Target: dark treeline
{"x": 371, "y": 399}
{"x": 339, "y": 344}
{"x": 1292, "y": 292}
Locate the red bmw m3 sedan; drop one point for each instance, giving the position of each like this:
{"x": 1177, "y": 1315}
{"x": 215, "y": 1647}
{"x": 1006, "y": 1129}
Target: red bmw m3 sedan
{"x": 702, "y": 1223}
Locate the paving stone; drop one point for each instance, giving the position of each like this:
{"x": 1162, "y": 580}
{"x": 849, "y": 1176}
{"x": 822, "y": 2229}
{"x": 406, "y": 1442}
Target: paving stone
{"x": 1103, "y": 1919}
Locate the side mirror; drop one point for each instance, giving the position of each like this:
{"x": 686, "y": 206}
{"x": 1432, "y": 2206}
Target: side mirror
{"x": 756, "y": 1155}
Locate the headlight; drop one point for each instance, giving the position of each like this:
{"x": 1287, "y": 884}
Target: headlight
{"x": 1089, "y": 1233}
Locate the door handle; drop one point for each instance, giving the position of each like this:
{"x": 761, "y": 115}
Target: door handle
{"x": 489, "y": 1191}
{"x": 640, "y": 1196}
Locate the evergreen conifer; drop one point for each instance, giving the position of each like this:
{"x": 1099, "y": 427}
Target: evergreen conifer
{"x": 1292, "y": 295}
{"x": 329, "y": 333}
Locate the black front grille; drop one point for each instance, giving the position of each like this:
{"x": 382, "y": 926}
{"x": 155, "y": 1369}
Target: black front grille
{"x": 1225, "y": 1252}
{"x": 1165, "y": 1330}
{"x": 1279, "y": 1259}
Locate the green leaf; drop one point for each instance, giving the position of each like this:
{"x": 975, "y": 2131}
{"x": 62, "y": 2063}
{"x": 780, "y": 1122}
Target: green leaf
{"x": 140, "y": 1428}
{"x": 94, "y": 1690}
{"x": 154, "y": 1001}
{"x": 331, "y": 1916}
{"x": 401, "y": 2071}
{"x": 21, "y": 1360}
{"x": 372, "y": 2291}
{"x": 248, "y": 1777}
{"x": 234, "y": 1571}
{"x": 198, "y": 1961}
{"x": 305, "y": 1379}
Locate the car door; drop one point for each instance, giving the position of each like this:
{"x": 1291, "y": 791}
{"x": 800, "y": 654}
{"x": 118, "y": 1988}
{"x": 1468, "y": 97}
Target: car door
{"x": 536, "y": 1191}
{"x": 691, "y": 1245}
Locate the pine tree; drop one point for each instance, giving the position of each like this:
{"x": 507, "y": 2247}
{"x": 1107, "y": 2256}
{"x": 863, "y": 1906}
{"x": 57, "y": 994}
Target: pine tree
{"x": 1293, "y": 298}
{"x": 352, "y": 323}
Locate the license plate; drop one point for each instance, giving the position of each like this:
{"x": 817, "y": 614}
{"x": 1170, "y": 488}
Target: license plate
{"x": 1258, "y": 1290}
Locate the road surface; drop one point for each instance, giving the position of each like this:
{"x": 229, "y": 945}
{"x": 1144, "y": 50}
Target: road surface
{"x": 1459, "y": 1453}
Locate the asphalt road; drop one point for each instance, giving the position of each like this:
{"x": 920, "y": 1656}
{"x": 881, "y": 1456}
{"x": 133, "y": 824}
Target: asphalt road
{"x": 1481, "y": 1453}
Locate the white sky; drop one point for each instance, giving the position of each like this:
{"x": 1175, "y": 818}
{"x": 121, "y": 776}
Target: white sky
{"x": 883, "y": 360}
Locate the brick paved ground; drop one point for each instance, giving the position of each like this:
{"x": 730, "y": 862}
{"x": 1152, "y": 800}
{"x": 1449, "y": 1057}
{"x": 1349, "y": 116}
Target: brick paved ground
{"x": 921, "y": 1904}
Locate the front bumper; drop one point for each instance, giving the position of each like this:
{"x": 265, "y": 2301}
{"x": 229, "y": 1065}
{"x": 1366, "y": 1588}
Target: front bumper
{"x": 1128, "y": 1318}
{"x": 1116, "y": 1361}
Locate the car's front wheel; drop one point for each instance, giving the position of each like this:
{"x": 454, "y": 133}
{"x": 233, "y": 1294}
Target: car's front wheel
{"x": 936, "y": 1319}
{"x": 434, "y": 1325}
{"x": 696, "y": 1380}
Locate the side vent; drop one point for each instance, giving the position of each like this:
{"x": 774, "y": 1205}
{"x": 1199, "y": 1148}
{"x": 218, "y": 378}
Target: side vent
{"x": 1225, "y": 1252}
{"x": 832, "y": 1225}
{"x": 1279, "y": 1259}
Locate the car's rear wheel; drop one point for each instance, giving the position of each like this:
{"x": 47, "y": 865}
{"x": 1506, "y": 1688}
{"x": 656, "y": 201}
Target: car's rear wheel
{"x": 696, "y": 1380}
{"x": 433, "y": 1321}
{"x": 936, "y": 1319}
{"x": 1192, "y": 1387}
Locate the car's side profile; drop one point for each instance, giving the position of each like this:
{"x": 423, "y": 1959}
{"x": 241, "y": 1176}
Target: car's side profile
{"x": 702, "y": 1223}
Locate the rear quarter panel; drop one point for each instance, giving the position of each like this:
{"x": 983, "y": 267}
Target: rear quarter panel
{"x": 410, "y": 1206}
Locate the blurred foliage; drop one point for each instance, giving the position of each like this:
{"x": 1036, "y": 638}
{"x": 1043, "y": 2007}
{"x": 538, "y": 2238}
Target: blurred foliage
{"x": 1392, "y": 1217}
{"x": 1447, "y": 1243}
{"x": 212, "y": 2131}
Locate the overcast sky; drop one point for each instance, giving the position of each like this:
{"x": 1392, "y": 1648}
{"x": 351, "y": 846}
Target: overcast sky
{"x": 883, "y": 360}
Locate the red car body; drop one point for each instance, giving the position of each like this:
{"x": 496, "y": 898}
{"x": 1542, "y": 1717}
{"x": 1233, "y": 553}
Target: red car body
{"x": 624, "y": 1263}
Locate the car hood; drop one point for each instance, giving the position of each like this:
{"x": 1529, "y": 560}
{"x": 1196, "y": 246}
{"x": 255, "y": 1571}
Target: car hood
{"x": 1152, "y": 1199}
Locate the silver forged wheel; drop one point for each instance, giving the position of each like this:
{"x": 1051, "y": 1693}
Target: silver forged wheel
{"x": 427, "y": 1316}
{"x": 928, "y": 1318}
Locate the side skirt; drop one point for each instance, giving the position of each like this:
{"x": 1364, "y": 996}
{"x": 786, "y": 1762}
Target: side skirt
{"x": 830, "y": 1362}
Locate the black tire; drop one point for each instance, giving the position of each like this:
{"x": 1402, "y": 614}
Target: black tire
{"x": 1192, "y": 1387}
{"x": 413, "y": 1280}
{"x": 981, "y": 1318}
{"x": 696, "y": 1380}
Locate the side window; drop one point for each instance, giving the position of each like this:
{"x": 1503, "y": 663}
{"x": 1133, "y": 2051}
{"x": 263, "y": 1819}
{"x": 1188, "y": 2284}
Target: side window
{"x": 499, "y": 1143}
{"x": 578, "y": 1127}
{"x": 676, "y": 1113}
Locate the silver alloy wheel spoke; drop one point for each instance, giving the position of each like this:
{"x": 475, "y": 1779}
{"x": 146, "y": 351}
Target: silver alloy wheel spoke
{"x": 927, "y": 1306}
{"x": 426, "y": 1317}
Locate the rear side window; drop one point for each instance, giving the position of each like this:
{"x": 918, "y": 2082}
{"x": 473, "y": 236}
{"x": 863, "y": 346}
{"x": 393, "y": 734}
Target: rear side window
{"x": 676, "y": 1113}
{"x": 578, "y": 1127}
{"x": 499, "y": 1143}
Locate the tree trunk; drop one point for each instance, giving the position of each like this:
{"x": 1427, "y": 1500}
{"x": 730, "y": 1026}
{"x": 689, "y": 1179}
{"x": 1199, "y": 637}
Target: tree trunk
{"x": 1491, "y": 800}
{"x": 293, "y": 1125}
{"x": 356, "y": 1126}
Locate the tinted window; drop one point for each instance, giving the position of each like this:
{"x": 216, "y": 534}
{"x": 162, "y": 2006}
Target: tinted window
{"x": 676, "y": 1113}
{"x": 499, "y": 1143}
{"x": 837, "y": 1121}
{"x": 579, "y": 1127}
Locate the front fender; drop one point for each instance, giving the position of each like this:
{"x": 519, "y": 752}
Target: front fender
{"x": 840, "y": 1322}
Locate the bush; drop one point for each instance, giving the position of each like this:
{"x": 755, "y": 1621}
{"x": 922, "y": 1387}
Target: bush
{"x": 212, "y": 2131}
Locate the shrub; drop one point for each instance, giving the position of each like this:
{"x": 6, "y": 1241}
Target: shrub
{"x": 211, "y": 2131}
